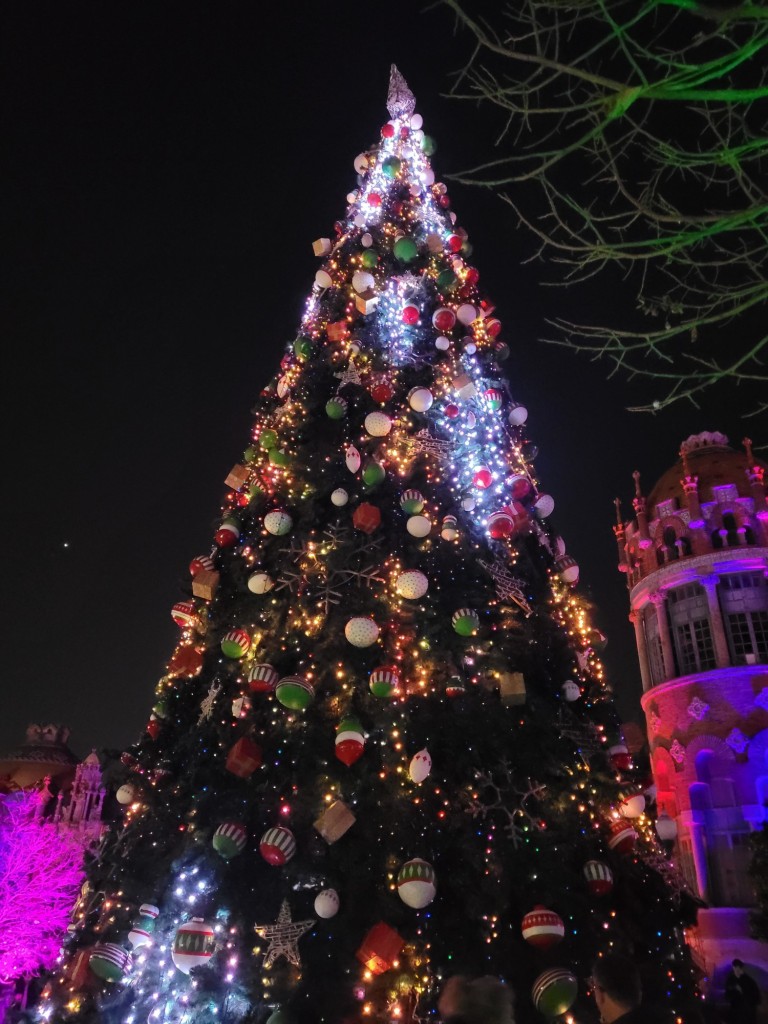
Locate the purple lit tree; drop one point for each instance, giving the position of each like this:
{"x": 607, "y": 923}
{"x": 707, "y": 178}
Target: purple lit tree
{"x": 41, "y": 868}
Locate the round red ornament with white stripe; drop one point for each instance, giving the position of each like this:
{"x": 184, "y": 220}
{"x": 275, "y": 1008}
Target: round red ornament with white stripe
{"x": 277, "y": 846}
{"x": 229, "y": 839}
{"x": 193, "y": 944}
{"x": 203, "y": 563}
{"x": 262, "y": 678}
{"x": 543, "y": 928}
{"x": 184, "y": 613}
{"x": 443, "y": 319}
{"x": 236, "y": 643}
{"x": 599, "y": 877}
{"x": 621, "y": 836}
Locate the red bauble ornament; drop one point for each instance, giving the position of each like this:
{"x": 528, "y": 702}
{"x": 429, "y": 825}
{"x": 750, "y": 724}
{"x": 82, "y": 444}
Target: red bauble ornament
{"x": 599, "y": 877}
{"x": 388, "y": 131}
{"x": 184, "y": 613}
{"x": 543, "y": 928}
{"x": 382, "y": 392}
{"x": 154, "y": 728}
{"x": 444, "y": 202}
{"x": 374, "y": 199}
{"x": 483, "y": 478}
{"x": 472, "y": 276}
{"x": 227, "y": 536}
{"x": 455, "y": 243}
{"x": 500, "y": 524}
{"x": 519, "y": 487}
{"x": 410, "y": 314}
{"x": 620, "y": 757}
{"x": 621, "y": 836}
{"x": 492, "y": 327}
{"x": 451, "y": 411}
{"x": 444, "y": 319}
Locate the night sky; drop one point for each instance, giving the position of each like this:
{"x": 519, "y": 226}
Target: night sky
{"x": 165, "y": 168}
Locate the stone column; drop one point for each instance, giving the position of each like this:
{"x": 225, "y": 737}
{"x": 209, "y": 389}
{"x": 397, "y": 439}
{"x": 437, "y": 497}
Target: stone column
{"x": 667, "y": 652}
{"x": 722, "y": 656}
{"x": 636, "y": 618}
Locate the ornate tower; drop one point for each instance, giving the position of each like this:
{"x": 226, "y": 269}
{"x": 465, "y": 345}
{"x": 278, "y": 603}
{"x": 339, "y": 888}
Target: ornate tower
{"x": 696, "y": 561}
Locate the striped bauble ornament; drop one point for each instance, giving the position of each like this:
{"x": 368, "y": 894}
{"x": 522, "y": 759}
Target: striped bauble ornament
{"x": 109, "y": 961}
{"x": 554, "y": 991}
{"x": 229, "y": 839}
{"x": 262, "y": 678}
{"x": 416, "y": 883}
{"x": 236, "y": 643}
{"x": 277, "y": 845}
{"x": 599, "y": 877}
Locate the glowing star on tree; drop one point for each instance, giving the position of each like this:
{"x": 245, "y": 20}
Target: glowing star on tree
{"x": 283, "y": 937}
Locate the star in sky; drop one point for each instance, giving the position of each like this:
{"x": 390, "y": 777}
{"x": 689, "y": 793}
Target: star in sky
{"x": 283, "y": 937}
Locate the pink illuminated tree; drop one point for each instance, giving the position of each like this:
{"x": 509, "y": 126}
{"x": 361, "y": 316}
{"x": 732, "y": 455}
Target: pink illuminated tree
{"x": 41, "y": 869}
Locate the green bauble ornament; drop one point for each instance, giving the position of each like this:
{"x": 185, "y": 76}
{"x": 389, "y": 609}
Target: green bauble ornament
{"x": 279, "y": 458}
{"x": 554, "y": 991}
{"x": 465, "y": 621}
{"x": 373, "y": 473}
{"x": 391, "y": 166}
{"x": 405, "y": 249}
{"x": 250, "y": 453}
{"x": 160, "y": 709}
{"x": 279, "y": 1016}
{"x": 268, "y": 439}
{"x": 428, "y": 145}
{"x": 336, "y": 408}
{"x": 302, "y": 347}
{"x": 369, "y": 259}
{"x": 295, "y": 693}
{"x": 446, "y": 280}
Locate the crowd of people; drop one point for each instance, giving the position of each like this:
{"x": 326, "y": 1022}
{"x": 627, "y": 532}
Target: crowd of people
{"x": 617, "y": 991}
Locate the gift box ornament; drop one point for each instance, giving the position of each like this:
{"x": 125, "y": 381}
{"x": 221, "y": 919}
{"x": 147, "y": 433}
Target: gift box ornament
{"x": 237, "y": 477}
{"x": 338, "y": 331}
{"x": 366, "y": 302}
{"x": 380, "y": 948}
{"x": 512, "y": 688}
{"x": 244, "y": 758}
{"x": 335, "y": 821}
{"x": 205, "y": 584}
{"x": 321, "y": 246}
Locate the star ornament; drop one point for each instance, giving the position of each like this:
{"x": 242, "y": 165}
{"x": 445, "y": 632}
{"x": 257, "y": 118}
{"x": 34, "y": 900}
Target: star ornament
{"x": 283, "y": 937}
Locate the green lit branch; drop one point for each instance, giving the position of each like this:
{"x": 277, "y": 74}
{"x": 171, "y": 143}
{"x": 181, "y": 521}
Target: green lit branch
{"x": 633, "y": 147}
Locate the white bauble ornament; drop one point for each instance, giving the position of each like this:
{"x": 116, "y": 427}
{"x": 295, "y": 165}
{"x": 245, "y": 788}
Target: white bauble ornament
{"x": 126, "y": 794}
{"x": 359, "y": 220}
{"x": 323, "y": 279}
{"x": 352, "y": 197}
{"x": 468, "y": 502}
{"x": 420, "y": 766}
{"x": 378, "y": 424}
{"x": 559, "y": 547}
{"x": 544, "y": 505}
{"x": 352, "y": 459}
{"x": 194, "y": 943}
{"x": 518, "y": 414}
{"x": 367, "y": 240}
{"x": 428, "y": 176}
{"x": 412, "y": 584}
{"x": 278, "y": 523}
{"x": 418, "y": 526}
{"x": 339, "y": 497}
{"x": 442, "y": 344}
{"x": 416, "y": 122}
{"x": 416, "y": 883}
{"x": 327, "y": 903}
{"x": 362, "y": 280}
{"x": 466, "y": 314}
{"x": 420, "y": 399}
{"x": 361, "y": 631}
{"x": 260, "y": 583}
{"x": 361, "y": 163}
{"x": 571, "y": 690}
{"x": 415, "y": 190}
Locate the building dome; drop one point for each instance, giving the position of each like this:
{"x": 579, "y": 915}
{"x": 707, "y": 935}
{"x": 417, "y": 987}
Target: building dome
{"x": 713, "y": 461}
{"x": 44, "y": 754}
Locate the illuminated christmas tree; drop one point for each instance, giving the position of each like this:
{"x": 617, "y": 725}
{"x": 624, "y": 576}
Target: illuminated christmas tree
{"x": 383, "y": 751}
